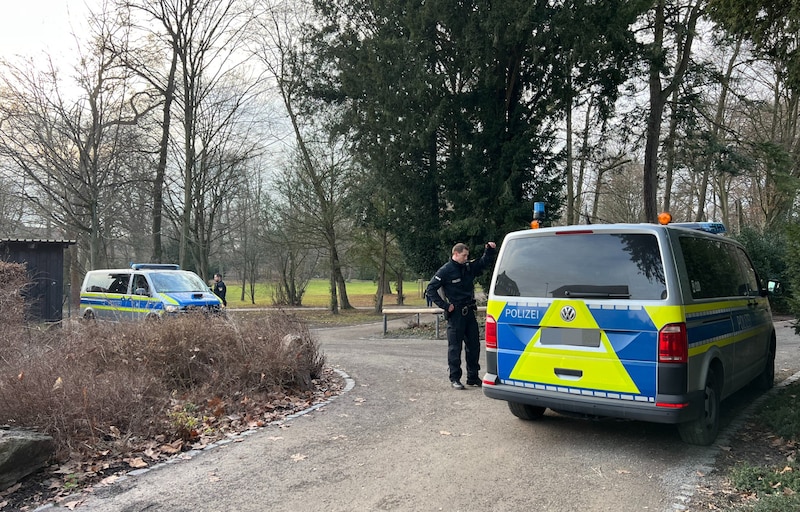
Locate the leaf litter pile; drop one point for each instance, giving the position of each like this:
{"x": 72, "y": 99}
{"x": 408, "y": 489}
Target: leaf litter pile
{"x": 121, "y": 397}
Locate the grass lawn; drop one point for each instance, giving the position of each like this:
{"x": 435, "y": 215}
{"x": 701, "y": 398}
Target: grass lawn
{"x": 360, "y": 293}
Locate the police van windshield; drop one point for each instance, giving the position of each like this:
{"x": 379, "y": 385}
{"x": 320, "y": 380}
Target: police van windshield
{"x": 170, "y": 282}
{"x": 587, "y": 265}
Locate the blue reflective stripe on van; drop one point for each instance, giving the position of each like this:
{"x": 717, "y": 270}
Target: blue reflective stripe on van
{"x": 634, "y": 318}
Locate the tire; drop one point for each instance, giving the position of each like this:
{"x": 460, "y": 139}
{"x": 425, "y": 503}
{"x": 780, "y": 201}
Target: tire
{"x": 703, "y": 430}
{"x": 766, "y": 379}
{"x": 525, "y": 411}
{"x": 88, "y": 316}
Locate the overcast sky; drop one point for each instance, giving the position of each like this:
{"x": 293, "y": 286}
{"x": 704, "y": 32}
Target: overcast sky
{"x": 29, "y": 27}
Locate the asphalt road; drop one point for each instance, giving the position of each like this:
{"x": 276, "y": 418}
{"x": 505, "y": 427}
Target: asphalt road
{"x": 402, "y": 439}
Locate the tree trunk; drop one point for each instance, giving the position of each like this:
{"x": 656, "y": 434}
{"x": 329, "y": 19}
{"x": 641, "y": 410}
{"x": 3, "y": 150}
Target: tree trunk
{"x": 163, "y": 150}
{"x": 400, "y": 296}
{"x": 582, "y": 166}
{"x": 334, "y": 302}
{"x": 659, "y": 95}
{"x": 570, "y": 177}
{"x": 670, "y": 150}
{"x": 382, "y": 273}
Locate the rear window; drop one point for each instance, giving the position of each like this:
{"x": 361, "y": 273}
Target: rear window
{"x": 586, "y": 265}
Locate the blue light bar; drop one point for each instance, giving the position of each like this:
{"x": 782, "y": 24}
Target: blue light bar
{"x": 155, "y": 266}
{"x": 717, "y": 228}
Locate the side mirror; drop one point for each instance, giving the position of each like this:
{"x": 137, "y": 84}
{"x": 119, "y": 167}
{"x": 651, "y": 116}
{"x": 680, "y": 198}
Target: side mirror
{"x": 774, "y": 286}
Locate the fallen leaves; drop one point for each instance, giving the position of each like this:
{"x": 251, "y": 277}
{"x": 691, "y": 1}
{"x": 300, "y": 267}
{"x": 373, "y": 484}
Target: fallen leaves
{"x": 172, "y": 448}
{"x": 114, "y": 452}
{"x": 109, "y": 480}
{"x": 136, "y": 463}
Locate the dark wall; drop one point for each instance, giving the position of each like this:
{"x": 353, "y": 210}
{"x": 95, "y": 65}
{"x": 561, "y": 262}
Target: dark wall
{"x": 44, "y": 260}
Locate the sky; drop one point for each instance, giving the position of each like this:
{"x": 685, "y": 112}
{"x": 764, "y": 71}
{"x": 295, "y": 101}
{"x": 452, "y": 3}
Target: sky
{"x": 31, "y": 27}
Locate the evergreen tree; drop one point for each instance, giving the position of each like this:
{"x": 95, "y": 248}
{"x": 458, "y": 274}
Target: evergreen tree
{"x": 455, "y": 105}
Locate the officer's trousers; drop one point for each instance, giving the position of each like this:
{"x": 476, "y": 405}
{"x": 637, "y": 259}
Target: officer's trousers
{"x": 463, "y": 328}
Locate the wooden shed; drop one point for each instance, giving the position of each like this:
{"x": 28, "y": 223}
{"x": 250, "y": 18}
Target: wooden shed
{"x": 44, "y": 260}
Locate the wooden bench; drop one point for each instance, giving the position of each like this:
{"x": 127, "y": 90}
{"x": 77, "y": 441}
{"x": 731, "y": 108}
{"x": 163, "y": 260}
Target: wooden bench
{"x": 417, "y": 311}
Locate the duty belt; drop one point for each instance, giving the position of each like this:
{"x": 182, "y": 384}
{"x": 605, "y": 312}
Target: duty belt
{"x": 465, "y": 308}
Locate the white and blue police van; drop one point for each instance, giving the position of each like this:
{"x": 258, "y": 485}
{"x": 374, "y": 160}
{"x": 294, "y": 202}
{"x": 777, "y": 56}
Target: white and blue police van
{"x": 647, "y": 322}
{"x": 145, "y": 291}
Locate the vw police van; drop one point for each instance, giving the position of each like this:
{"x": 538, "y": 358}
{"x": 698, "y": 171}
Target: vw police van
{"x": 642, "y": 321}
{"x": 144, "y": 291}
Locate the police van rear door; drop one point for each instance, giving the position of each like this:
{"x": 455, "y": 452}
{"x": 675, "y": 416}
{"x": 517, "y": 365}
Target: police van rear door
{"x": 578, "y": 310}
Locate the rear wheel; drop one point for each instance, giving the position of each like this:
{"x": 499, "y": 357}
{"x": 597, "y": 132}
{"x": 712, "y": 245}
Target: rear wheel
{"x": 525, "y": 411}
{"x": 703, "y": 430}
{"x": 89, "y": 316}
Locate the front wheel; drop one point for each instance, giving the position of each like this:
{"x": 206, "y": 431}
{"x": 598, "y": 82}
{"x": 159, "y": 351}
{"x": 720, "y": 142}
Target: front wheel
{"x": 766, "y": 379}
{"x": 703, "y": 430}
{"x": 525, "y": 411}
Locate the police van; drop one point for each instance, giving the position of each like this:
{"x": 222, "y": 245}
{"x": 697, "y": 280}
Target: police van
{"x": 642, "y": 321}
{"x": 144, "y": 291}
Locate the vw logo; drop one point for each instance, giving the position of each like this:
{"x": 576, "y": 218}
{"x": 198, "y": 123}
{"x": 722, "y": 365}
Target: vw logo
{"x": 568, "y": 313}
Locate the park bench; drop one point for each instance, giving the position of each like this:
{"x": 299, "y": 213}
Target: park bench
{"x": 417, "y": 311}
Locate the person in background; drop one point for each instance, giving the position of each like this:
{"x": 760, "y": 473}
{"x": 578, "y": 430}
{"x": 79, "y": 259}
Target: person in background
{"x": 220, "y": 289}
{"x": 457, "y": 279}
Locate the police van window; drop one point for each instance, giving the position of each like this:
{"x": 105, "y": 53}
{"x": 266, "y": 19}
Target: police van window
{"x": 749, "y": 276}
{"x": 119, "y": 283}
{"x": 711, "y": 267}
{"x": 597, "y": 266}
{"x": 98, "y": 282}
{"x": 177, "y": 282}
{"x": 140, "y": 284}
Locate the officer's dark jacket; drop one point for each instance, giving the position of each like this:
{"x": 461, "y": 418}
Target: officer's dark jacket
{"x": 220, "y": 290}
{"x": 458, "y": 280}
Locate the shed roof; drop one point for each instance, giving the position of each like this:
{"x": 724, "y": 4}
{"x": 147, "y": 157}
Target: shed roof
{"x": 37, "y": 241}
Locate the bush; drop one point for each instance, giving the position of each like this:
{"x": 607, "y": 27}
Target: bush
{"x": 12, "y": 305}
{"x": 96, "y": 385}
{"x": 770, "y": 252}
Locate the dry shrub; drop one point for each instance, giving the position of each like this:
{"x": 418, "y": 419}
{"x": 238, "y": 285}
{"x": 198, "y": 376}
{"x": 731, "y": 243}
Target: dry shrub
{"x": 94, "y": 385}
{"x": 12, "y": 304}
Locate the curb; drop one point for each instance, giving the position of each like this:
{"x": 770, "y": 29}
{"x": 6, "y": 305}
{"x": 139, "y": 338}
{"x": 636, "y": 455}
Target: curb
{"x": 709, "y": 454}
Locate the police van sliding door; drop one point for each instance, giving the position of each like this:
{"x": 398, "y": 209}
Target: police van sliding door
{"x": 141, "y": 303}
{"x": 118, "y": 301}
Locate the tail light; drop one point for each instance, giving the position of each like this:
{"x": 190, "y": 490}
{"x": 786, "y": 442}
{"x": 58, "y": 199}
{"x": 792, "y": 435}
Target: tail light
{"x": 673, "y": 345}
{"x": 491, "y": 332}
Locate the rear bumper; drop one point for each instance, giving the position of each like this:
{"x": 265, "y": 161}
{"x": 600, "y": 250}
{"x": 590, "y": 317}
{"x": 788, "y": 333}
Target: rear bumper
{"x": 594, "y": 406}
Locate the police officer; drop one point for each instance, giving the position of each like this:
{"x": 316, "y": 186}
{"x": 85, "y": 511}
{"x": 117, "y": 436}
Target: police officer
{"x": 220, "y": 290}
{"x": 456, "y": 279}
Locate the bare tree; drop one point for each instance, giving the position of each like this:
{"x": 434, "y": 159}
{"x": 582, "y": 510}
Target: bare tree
{"x": 205, "y": 80}
{"x": 322, "y": 166}
{"x": 72, "y": 142}
{"x": 682, "y": 15}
